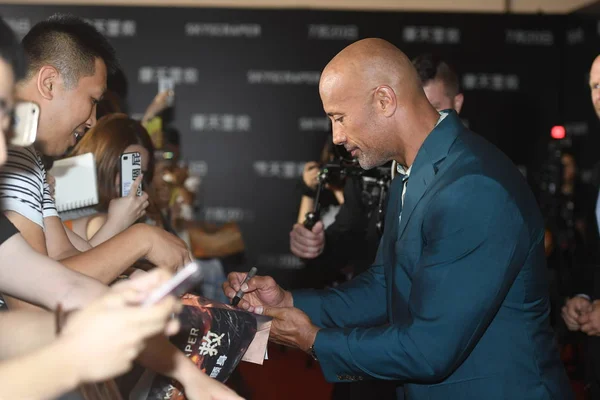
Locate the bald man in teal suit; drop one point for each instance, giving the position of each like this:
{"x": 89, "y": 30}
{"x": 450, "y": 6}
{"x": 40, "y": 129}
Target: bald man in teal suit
{"x": 456, "y": 305}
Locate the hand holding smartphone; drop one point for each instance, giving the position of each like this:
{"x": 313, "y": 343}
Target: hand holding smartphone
{"x": 25, "y": 123}
{"x": 167, "y": 85}
{"x": 130, "y": 168}
{"x": 181, "y": 282}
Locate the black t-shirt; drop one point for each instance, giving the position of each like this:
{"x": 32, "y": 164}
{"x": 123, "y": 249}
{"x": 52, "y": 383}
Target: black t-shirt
{"x": 7, "y": 229}
{"x": 353, "y": 239}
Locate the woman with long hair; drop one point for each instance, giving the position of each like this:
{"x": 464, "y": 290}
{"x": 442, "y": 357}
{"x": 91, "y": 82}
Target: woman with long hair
{"x": 112, "y": 136}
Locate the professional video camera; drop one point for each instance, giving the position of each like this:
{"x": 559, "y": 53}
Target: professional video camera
{"x": 550, "y": 178}
{"x": 557, "y": 208}
{"x": 375, "y": 184}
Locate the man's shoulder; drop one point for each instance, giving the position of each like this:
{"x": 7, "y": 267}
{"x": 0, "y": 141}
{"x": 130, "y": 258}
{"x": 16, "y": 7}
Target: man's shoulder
{"x": 481, "y": 172}
{"x": 26, "y": 157}
{"x": 28, "y": 152}
{"x": 474, "y": 154}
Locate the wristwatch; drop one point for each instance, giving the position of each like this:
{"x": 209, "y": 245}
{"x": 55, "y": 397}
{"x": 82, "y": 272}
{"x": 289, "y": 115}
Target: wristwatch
{"x": 313, "y": 354}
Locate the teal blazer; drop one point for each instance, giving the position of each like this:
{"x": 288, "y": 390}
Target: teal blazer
{"x": 456, "y": 304}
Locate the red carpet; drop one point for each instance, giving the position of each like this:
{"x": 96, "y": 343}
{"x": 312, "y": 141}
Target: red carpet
{"x": 292, "y": 375}
{"x": 287, "y": 374}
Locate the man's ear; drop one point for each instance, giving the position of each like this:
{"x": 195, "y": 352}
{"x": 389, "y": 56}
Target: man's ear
{"x": 385, "y": 100}
{"x": 47, "y": 80}
{"x": 458, "y": 102}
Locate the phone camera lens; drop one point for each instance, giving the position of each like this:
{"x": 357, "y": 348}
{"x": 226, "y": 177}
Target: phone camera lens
{"x": 125, "y": 158}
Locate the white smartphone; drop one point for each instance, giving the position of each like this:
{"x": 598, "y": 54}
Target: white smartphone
{"x": 165, "y": 84}
{"x": 130, "y": 168}
{"x": 25, "y": 123}
{"x": 181, "y": 282}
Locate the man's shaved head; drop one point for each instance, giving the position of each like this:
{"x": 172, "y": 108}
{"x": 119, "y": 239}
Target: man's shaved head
{"x": 370, "y": 63}
{"x": 367, "y": 89}
{"x": 595, "y": 84}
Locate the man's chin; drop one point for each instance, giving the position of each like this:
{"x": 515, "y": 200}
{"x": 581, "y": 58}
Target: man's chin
{"x": 56, "y": 152}
{"x": 368, "y": 164}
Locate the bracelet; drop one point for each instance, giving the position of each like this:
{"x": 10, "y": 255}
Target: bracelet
{"x": 60, "y": 317}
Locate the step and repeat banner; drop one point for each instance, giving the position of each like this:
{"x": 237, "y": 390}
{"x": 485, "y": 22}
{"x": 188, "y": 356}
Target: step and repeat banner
{"x": 581, "y": 47}
{"x": 247, "y": 102}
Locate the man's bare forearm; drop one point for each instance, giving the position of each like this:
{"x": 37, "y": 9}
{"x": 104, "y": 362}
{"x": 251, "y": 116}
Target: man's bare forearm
{"x": 111, "y": 258}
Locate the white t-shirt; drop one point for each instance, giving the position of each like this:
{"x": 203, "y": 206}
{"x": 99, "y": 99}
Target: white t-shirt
{"x": 23, "y": 186}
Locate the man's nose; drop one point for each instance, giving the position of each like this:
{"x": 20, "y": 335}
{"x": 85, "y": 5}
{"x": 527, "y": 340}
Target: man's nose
{"x": 338, "y": 136}
{"x": 92, "y": 119}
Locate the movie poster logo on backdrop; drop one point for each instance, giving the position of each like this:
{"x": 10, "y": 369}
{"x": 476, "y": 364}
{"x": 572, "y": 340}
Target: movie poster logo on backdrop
{"x": 576, "y": 128}
{"x": 491, "y": 81}
{"x": 575, "y": 36}
{"x": 332, "y": 32}
{"x": 431, "y": 34}
{"x": 198, "y": 168}
{"x": 215, "y": 29}
{"x": 227, "y": 214}
{"x": 114, "y": 28}
{"x": 284, "y": 261}
{"x": 20, "y": 26}
{"x": 319, "y": 124}
{"x": 586, "y": 175}
{"x": 258, "y": 77}
{"x": 529, "y": 38}
{"x": 179, "y": 75}
{"x": 279, "y": 169}
{"x": 220, "y": 123}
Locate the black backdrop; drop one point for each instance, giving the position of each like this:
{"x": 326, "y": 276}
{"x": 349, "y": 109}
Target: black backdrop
{"x": 247, "y": 101}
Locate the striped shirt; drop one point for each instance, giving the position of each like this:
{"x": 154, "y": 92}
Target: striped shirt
{"x": 23, "y": 186}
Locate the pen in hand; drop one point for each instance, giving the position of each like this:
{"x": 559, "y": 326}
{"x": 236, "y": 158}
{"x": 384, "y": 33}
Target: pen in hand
{"x": 240, "y": 293}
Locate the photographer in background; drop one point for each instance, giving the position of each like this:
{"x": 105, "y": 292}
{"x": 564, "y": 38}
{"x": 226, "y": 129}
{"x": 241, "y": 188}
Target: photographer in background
{"x": 582, "y": 311}
{"x": 353, "y": 238}
{"x": 329, "y": 199}
{"x": 569, "y": 220}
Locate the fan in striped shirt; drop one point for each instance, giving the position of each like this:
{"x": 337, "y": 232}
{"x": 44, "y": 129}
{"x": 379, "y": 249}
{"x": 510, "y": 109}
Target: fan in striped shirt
{"x": 23, "y": 186}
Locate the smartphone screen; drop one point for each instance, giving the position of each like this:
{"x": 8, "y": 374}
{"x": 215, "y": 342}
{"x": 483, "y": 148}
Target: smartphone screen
{"x": 130, "y": 169}
{"x": 165, "y": 84}
{"x": 25, "y": 123}
{"x": 181, "y": 282}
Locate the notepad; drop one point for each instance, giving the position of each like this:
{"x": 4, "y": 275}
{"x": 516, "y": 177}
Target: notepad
{"x": 76, "y": 184}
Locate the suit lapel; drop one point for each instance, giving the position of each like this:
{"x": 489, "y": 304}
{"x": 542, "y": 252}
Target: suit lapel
{"x": 390, "y": 234}
{"x": 434, "y": 149}
{"x": 415, "y": 189}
